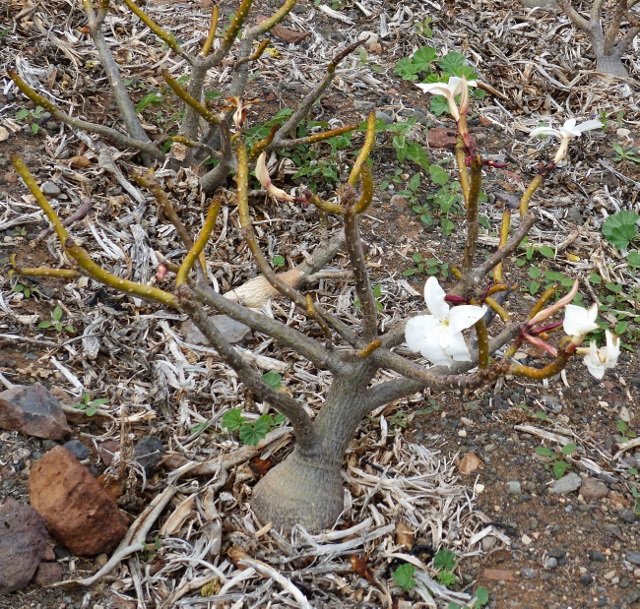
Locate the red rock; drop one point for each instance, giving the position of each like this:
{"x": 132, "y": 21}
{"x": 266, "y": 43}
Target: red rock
{"x": 48, "y": 573}
{"x": 76, "y": 510}
{"x": 33, "y": 411}
{"x": 23, "y": 540}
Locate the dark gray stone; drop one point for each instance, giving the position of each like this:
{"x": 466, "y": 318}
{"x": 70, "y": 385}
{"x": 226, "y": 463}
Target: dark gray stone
{"x": 78, "y": 449}
{"x": 50, "y": 189}
{"x": 149, "y": 451}
{"x": 567, "y": 484}
{"x": 633, "y": 558}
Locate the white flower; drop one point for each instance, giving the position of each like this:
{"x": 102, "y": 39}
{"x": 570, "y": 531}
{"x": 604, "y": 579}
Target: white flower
{"x": 598, "y": 360}
{"x": 455, "y": 86}
{"x": 438, "y": 337}
{"x": 262, "y": 173}
{"x": 579, "y": 321}
{"x": 567, "y": 132}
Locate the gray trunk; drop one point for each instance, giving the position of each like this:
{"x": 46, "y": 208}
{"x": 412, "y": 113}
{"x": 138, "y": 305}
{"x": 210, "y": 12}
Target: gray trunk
{"x": 612, "y": 64}
{"x": 307, "y": 488}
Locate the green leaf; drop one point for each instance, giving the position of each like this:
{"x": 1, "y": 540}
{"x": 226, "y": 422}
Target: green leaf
{"x": 547, "y": 252}
{"x": 278, "y": 261}
{"x": 22, "y": 113}
{"x": 446, "y": 578}
{"x": 447, "y": 226}
{"x": 569, "y": 448}
{"x": 633, "y": 260}
{"x": 452, "y": 63}
{"x": 621, "y": 327}
{"x": 444, "y": 560}
{"x": 233, "y": 419}
{"x": 35, "y": 128}
{"x": 99, "y": 401}
{"x": 90, "y": 410}
{"x": 594, "y": 278}
{"x": 438, "y": 105}
{"x": 544, "y": 451}
{"x": 621, "y": 228}
{"x": 534, "y": 272}
{"x": 273, "y": 379}
{"x": 533, "y": 287}
{"x": 438, "y": 175}
{"x": 44, "y": 324}
{"x": 56, "y": 314}
{"x": 560, "y": 468}
{"x": 252, "y": 433}
{"x": 403, "y": 576}
{"x": 482, "y": 596}
{"x": 150, "y": 99}
{"x": 622, "y": 426}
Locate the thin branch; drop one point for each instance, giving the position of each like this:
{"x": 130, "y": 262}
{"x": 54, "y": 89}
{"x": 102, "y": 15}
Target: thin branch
{"x": 573, "y": 15}
{"x": 387, "y": 392}
{"x": 122, "y": 99}
{"x": 300, "y": 420}
{"x": 311, "y": 97}
{"x": 483, "y": 270}
{"x": 289, "y": 337}
{"x": 111, "y": 134}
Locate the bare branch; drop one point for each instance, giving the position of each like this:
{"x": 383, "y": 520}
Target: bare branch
{"x": 300, "y": 420}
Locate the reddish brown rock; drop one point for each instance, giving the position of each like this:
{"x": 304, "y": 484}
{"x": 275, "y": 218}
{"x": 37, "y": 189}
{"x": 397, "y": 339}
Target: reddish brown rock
{"x": 33, "y": 411}
{"x": 76, "y": 510}
{"x": 23, "y": 541}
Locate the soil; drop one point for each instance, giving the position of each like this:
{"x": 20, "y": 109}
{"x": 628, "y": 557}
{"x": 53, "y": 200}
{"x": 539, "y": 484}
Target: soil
{"x": 557, "y": 551}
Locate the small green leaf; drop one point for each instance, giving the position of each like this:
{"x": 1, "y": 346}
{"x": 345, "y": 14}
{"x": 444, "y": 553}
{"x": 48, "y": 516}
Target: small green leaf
{"x": 560, "y": 468}
{"x": 252, "y": 433}
{"x": 99, "y": 401}
{"x": 444, "y": 560}
{"x": 199, "y": 427}
{"x": 403, "y": 576}
{"x": 22, "y": 113}
{"x": 452, "y": 63}
{"x": 594, "y": 278}
{"x": 438, "y": 175}
{"x": 447, "y": 226}
{"x": 621, "y": 228}
{"x": 439, "y": 105}
{"x": 544, "y": 451}
{"x": 91, "y": 410}
{"x": 273, "y": 379}
{"x": 547, "y": 252}
{"x": 633, "y": 260}
{"x": 482, "y": 596}
{"x": 233, "y": 419}
{"x": 278, "y": 261}
{"x": 56, "y": 314}
{"x": 569, "y": 448}
{"x": 622, "y": 426}
{"x": 534, "y": 272}
{"x": 44, "y": 324}
{"x": 446, "y": 578}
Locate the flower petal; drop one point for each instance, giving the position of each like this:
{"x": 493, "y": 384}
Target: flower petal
{"x": 435, "y": 88}
{"x": 545, "y": 131}
{"x": 579, "y": 321}
{"x": 589, "y": 125}
{"x": 419, "y": 330}
{"x": 464, "y": 316}
{"x": 434, "y": 297}
{"x": 612, "y": 349}
{"x": 434, "y": 352}
{"x": 456, "y": 347}
{"x": 593, "y": 363}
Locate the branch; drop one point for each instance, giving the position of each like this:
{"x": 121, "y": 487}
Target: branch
{"x": 483, "y": 270}
{"x": 311, "y": 97}
{"x": 573, "y": 15}
{"x": 111, "y": 134}
{"x": 289, "y": 337}
{"x": 300, "y": 420}
{"x": 387, "y": 392}
{"x": 125, "y": 105}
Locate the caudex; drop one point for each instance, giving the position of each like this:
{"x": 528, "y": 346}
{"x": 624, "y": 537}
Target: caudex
{"x": 306, "y": 487}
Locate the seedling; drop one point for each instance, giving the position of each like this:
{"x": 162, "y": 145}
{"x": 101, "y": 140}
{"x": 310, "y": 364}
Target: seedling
{"x": 444, "y": 562}
{"x": 426, "y": 266}
{"x": 626, "y": 154}
{"x": 24, "y": 289}
{"x": 31, "y": 117}
{"x": 278, "y": 261}
{"x": 624, "y": 431}
{"x": 480, "y": 599}
{"x": 559, "y": 466}
{"x": 403, "y": 576}
{"x": 56, "y": 322}
{"x": 89, "y": 406}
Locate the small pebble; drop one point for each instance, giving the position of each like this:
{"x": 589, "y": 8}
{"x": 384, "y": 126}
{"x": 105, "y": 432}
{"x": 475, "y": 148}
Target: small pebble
{"x": 567, "y": 484}
{"x": 78, "y": 449}
{"x": 50, "y": 189}
{"x": 550, "y": 562}
{"x": 633, "y": 557}
{"x": 513, "y": 487}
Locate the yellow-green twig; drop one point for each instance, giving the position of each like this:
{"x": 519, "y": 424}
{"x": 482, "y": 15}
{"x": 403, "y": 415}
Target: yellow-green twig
{"x": 161, "y": 33}
{"x": 45, "y": 271}
{"x": 201, "y": 242}
{"x": 543, "y": 300}
{"x": 32, "y": 185}
{"x": 366, "y": 191}
{"x": 504, "y": 236}
{"x": 201, "y": 109}
{"x": 277, "y": 17}
{"x": 237, "y": 20}
{"x": 365, "y": 151}
{"x": 528, "y": 193}
{"x": 211, "y": 34}
{"x": 497, "y": 308}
